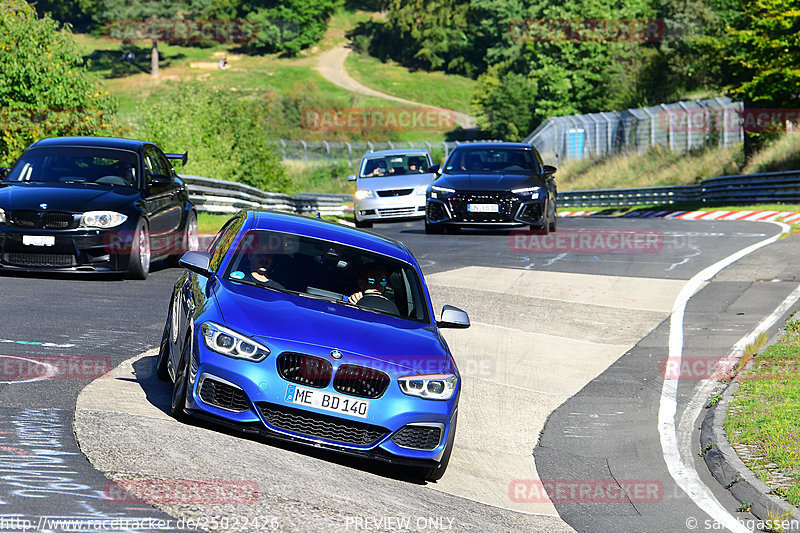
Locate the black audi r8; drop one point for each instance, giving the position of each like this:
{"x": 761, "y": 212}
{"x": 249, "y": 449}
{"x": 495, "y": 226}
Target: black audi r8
{"x": 492, "y": 185}
{"x": 94, "y": 204}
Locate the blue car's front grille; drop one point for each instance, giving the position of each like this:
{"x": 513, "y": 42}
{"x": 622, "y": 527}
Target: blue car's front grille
{"x": 360, "y": 381}
{"x": 418, "y": 437}
{"x": 225, "y": 396}
{"x": 304, "y": 369}
{"x": 321, "y": 426}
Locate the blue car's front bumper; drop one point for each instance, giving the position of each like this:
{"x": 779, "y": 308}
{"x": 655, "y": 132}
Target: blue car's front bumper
{"x": 253, "y": 397}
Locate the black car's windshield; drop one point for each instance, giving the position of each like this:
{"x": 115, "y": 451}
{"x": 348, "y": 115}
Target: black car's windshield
{"x": 394, "y": 165}
{"x": 330, "y": 271}
{"x": 100, "y": 166}
{"x": 489, "y": 160}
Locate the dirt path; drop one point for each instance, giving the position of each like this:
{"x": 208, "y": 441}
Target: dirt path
{"x": 331, "y": 65}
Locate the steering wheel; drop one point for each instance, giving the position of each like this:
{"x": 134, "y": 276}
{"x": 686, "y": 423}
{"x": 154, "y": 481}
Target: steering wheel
{"x": 378, "y": 302}
{"x": 112, "y": 180}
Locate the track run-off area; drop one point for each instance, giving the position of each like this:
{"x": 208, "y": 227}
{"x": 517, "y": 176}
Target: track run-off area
{"x": 566, "y": 420}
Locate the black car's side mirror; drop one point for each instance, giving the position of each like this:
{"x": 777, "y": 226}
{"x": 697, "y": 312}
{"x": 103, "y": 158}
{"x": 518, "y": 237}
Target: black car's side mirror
{"x": 158, "y": 179}
{"x": 433, "y": 169}
{"x": 197, "y": 262}
{"x": 549, "y": 169}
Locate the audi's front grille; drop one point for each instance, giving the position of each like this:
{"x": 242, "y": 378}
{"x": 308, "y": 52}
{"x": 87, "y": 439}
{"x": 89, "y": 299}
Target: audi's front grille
{"x": 40, "y": 259}
{"x": 26, "y": 218}
{"x": 305, "y": 369}
{"x": 360, "y": 381}
{"x": 418, "y": 437}
{"x": 321, "y": 426}
{"x": 531, "y": 213}
{"x": 504, "y": 200}
{"x": 395, "y": 192}
{"x": 436, "y": 211}
{"x": 223, "y": 395}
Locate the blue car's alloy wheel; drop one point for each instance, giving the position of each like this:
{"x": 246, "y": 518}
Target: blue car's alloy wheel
{"x": 181, "y": 385}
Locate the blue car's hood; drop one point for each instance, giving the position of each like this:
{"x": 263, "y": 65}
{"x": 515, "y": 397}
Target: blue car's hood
{"x": 64, "y": 197}
{"x": 317, "y": 327}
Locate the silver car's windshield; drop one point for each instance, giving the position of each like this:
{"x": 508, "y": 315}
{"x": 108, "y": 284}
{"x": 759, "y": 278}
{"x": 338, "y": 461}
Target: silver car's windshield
{"x": 99, "y": 166}
{"x": 335, "y": 272}
{"x": 394, "y": 165}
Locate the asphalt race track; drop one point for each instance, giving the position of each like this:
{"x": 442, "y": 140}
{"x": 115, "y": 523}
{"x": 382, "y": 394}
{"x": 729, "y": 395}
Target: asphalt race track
{"x": 563, "y": 386}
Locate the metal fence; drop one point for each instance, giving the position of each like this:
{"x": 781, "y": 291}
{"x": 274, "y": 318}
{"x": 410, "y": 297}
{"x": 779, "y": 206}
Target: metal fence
{"x": 767, "y": 187}
{"x": 682, "y": 126}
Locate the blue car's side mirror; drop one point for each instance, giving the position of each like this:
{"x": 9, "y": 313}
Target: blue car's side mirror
{"x": 197, "y": 262}
{"x": 453, "y": 317}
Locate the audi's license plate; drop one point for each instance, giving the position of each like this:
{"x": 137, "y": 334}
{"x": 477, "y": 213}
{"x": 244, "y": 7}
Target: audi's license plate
{"x": 483, "y": 208}
{"x": 326, "y": 401}
{"x": 38, "y": 240}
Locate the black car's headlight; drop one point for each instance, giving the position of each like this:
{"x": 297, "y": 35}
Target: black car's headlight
{"x": 227, "y": 342}
{"x": 532, "y": 192}
{"x": 102, "y": 219}
{"x": 437, "y": 191}
{"x": 430, "y": 386}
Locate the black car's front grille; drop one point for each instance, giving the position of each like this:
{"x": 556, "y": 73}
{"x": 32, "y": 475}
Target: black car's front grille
{"x": 505, "y": 202}
{"x": 531, "y": 213}
{"x": 31, "y": 259}
{"x": 395, "y": 192}
{"x": 222, "y": 395}
{"x": 27, "y": 218}
{"x": 321, "y": 426}
{"x": 360, "y": 381}
{"x": 304, "y": 369}
{"x": 418, "y": 437}
{"x": 436, "y": 211}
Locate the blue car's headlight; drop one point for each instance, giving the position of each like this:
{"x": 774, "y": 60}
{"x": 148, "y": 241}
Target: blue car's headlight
{"x": 227, "y": 342}
{"x": 430, "y": 386}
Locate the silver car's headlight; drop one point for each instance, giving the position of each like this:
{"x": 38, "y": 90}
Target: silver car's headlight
{"x": 2, "y": 215}
{"x": 532, "y": 191}
{"x": 420, "y": 190}
{"x": 227, "y": 342}
{"x": 102, "y": 219}
{"x": 430, "y": 386}
{"x": 363, "y": 194}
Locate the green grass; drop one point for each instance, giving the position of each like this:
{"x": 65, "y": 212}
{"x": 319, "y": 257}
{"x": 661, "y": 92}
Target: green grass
{"x": 449, "y": 91}
{"x": 764, "y": 414}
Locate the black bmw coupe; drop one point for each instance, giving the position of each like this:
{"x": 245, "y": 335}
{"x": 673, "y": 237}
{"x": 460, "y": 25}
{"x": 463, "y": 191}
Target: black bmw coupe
{"x": 94, "y": 204}
{"x": 492, "y": 185}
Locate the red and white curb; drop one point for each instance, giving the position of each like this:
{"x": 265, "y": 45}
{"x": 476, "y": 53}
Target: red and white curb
{"x": 766, "y": 216}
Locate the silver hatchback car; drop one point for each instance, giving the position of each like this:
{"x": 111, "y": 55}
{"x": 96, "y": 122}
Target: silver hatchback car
{"x": 391, "y": 185}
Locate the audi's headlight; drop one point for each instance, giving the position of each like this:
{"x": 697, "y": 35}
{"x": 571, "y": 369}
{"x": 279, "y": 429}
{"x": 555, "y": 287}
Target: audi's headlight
{"x": 227, "y": 342}
{"x": 2, "y": 215}
{"x": 363, "y": 194}
{"x": 532, "y": 191}
{"x": 443, "y": 190}
{"x": 430, "y": 386}
{"x": 102, "y": 219}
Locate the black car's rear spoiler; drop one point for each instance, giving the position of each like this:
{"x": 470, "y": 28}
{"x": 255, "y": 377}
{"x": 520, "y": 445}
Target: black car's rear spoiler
{"x": 184, "y": 157}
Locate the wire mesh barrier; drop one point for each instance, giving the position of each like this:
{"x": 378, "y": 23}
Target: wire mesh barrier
{"x": 682, "y": 126}
{"x": 226, "y": 197}
{"x": 768, "y": 187}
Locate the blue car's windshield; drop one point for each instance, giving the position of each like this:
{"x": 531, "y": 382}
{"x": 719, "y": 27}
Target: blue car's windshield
{"x": 101, "y": 166}
{"x": 331, "y": 271}
{"x": 465, "y": 160}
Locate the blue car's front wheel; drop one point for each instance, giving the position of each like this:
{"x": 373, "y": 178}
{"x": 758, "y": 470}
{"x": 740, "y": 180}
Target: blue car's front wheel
{"x": 181, "y": 385}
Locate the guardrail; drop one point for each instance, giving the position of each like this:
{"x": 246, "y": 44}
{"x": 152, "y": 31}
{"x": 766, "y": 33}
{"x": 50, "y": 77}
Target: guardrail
{"x": 743, "y": 189}
{"x": 226, "y": 197}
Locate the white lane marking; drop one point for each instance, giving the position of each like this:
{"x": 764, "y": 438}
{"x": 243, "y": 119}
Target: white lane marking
{"x": 705, "y": 387}
{"x": 50, "y": 370}
{"x": 37, "y": 343}
{"x": 687, "y": 478}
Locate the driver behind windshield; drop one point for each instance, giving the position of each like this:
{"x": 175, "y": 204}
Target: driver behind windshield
{"x": 372, "y": 279}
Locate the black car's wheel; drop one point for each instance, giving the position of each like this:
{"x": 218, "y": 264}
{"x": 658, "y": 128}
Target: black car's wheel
{"x": 163, "y": 351}
{"x": 139, "y": 260}
{"x": 363, "y": 224}
{"x": 542, "y": 230}
{"x": 554, "y": 223}
{"x": 435, "y": 473}
{"x": 181, "y": 385}
{"x": 189, "y": 240}
{"x": 433, "y": 229}
{"x": 452, "y": 230}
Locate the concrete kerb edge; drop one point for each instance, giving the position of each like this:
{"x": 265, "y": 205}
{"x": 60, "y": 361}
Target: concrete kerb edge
{"x": 728, "y": 469}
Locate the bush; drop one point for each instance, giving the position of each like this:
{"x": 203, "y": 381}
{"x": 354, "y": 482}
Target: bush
{"x": 45, "y": 90}
{"x": 223, "y": 133}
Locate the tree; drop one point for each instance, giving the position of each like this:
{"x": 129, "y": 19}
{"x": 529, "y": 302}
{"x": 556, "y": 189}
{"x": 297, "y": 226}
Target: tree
{"x": 45, "y": 89}
{"x": 289, "y": 25}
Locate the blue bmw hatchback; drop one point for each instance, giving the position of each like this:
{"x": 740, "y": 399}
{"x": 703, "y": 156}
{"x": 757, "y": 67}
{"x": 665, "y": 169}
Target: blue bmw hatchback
{"x": 308, "y": 331}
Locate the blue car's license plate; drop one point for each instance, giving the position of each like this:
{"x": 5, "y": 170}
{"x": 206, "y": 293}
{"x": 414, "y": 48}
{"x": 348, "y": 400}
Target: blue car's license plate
{"x": 327, "y": 401}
